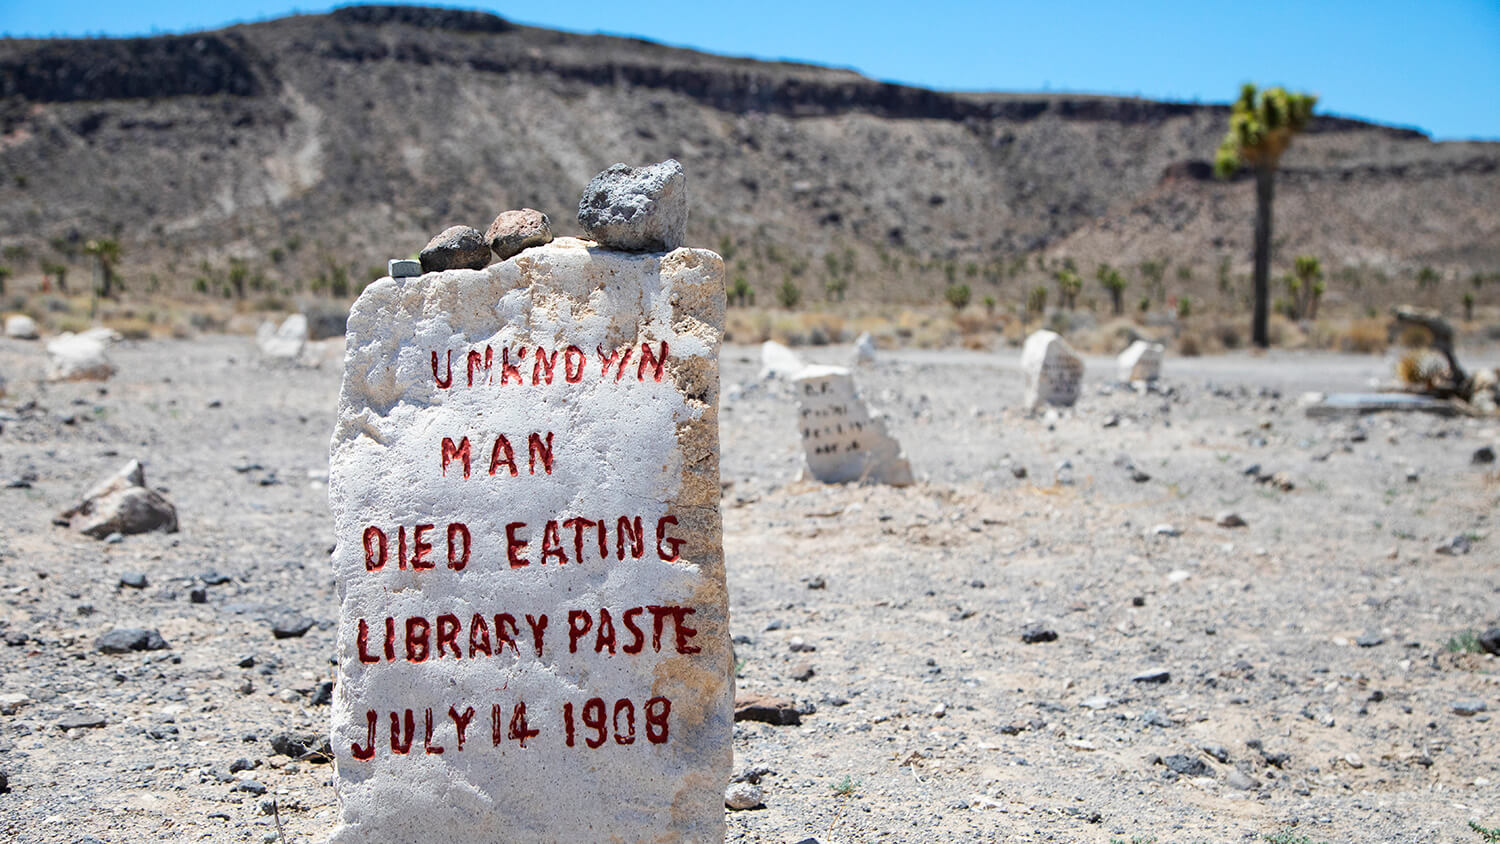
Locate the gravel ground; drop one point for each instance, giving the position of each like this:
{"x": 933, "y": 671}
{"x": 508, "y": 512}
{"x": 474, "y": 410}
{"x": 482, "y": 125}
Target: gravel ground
{"x": 1308, "y": 683}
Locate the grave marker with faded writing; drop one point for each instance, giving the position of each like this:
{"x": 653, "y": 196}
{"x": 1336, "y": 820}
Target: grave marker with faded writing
{"x": 840, "y": 439}
{"x": 1053, "y": 372}
{"x": 533, "y": 644}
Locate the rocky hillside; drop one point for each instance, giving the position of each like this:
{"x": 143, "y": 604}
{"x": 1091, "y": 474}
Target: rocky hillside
{"x": 314, "y": 147}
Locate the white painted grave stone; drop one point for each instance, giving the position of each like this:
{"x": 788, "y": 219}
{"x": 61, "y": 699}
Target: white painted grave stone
{"x": 1141, "y": 361}
{"x": 1052, "y": 371}
{"x": 841, "y": 440}
{"x": 79, "y": 357}
{"x": 777, "y": 361}
{"x": 285, "y": 343}
{"x": 534, "y": 640}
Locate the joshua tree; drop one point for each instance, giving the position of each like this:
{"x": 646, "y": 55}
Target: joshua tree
{"x": 1261, "y": 127}
{"x": 1310, "y": 286}
{"x": 739, "y": 292}
{"x": 1036, "y": 300}
{"x": 1069, "y": 285}
{"x": 1427, "y": 277}
{"x": 1115, "y": 283}
{"x": 107, "y": 252}
{"x": 789, "y": 294}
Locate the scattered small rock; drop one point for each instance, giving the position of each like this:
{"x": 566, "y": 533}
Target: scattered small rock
{"x": 1229, "y": 519}
{"x": 291, "y": 627}
{"x": 1489, "y": 640}
{"x": 1240, "y": 780}
{"x": 636, "y": 209}
{"x": 122, "y": 503}
{"x": 1456, "y": 546}
{"x": 310, "y": 746}
{"x": 1483, "y": 455}
{"x": 1158, "y": 675}
{"x": 133, "y": 580}
{"x": 740, "y": 796}
{"x": 198, "y": 595}
{"x": 513, "y": 231}
{"x": 251, "y": 786}
{"x": 1036, "y": 634}
{"x": 1217, "y": 752}
{"x": 1188, "y": 766}
{"x": 797, "y": 645}
{"x": 83, "y": 719}
{"x": 750, "y": 706}
{"x": 126, "y": 639}
{"x": 1370, "y": 639}
{"x": 1166, "y": 530}
{"x": 1468, "y": 707}
{"x": 456, "y": 247}
{"x": 802, "y": 672}
{"x": 1018, "y": 471}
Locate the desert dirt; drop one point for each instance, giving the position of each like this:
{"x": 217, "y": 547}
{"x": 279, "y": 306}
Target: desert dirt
{"x": 926, "y": 717}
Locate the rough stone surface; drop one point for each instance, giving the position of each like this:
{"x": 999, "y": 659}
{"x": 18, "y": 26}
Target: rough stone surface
{"x": 1051, "y": 369}
{"x": 624, "y": 429}
{"x": 841, "y": 440}
{"x": 20, "y": 327}
{"x": 122, "y": 503}
{"x": 777, "y": 361}
{"x": 455, "y": 248}
{"x": 284, "y": 343}
{"x": 1141, "y": 361}
{"x": 514, "y": 231}
{"x": 636, "y": 209}
{"x": 78, "y": 357}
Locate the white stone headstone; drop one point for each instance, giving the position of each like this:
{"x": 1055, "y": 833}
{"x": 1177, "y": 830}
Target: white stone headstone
{"x": 864, "y": 349}
{"x": 777, "y": 361}
{"x": 285, "y": 343}
{"x": 78, "y": 357}
{"x": 1141, "y": 361}
{"x": 1052, "y": 371}
{"x": 841, "y": 440}
{"x": 20, "y": 327}
{"x": 533, "y": 640}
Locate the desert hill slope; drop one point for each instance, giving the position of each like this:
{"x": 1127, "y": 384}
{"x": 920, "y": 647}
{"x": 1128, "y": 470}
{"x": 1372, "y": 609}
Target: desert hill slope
{"x": 319, "y": 144}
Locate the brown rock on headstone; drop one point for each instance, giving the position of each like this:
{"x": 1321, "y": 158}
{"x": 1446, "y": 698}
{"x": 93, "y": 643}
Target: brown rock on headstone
{"x": 455, "y": 248}
{"x": 514, "y": 231}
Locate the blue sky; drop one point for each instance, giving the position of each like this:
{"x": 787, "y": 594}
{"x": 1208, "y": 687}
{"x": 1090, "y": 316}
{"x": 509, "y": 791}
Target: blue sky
{"x": 1432, "y": 65}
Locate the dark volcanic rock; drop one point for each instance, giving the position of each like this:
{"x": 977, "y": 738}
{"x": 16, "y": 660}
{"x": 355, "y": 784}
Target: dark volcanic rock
{"x": 1483, "y": 455}
{"x": 514, "y": 231}
{"x": 126, "y": 639}
{"x": 1490, "y": 641}
{"x": 291, "y": 626}
{"x": 1188, "y": 766}
{"x": 1154, "y": 676}
{"x": 457, "y": 247}
{"x": 1036, "y": 634}
{"x": 311, "y": 746}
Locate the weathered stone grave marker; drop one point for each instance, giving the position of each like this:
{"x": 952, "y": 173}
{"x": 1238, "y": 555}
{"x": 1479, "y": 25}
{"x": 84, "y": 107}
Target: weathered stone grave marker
{"x": 1141, "y": 361}
{"x": 841, "y": 440}
{"x": 1052, "y": 371}
{"x": 533, "y": 644}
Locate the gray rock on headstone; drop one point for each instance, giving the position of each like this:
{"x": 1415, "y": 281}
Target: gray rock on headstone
{"x": 122, "y": 503}
{"x": 455, "y": 248}
{"x": 557, "y": 602}
{"x": 513, "y": 231}
{"x": 636, "y": 209}
{"x": 841, "y": 440}
{"x": 79, "y": 357}
{"x": 1141, "y": 361}
{"x": 20, "y": 327}
{"x": 1052, "y": 371}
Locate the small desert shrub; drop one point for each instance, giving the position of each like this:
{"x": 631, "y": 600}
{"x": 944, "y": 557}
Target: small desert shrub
{"x": 130, "y": 327}
{"x": 1414, "y": 336}
{"x": 1190, "y": 345}
{"x": 1283, "y": 332}
{"x": 1365, "y": 336}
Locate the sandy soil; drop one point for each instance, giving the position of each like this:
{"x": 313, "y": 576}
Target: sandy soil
{"x": 927, "y": 716}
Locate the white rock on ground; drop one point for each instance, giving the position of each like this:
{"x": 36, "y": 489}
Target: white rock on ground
{"x": 78, "y": 357}
{"x": 1141, "y": 361}
{"x": 841, "y": 440}
{"x": 285, "y": 343}
{"x": 601, "y": 370}
{"x": 864, "y": 350}
{"x": 1051, "y": 369}
{"x": 122, "y": 503}
{"x": 777, "y": 361}
{"x": 20, "y": 327}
